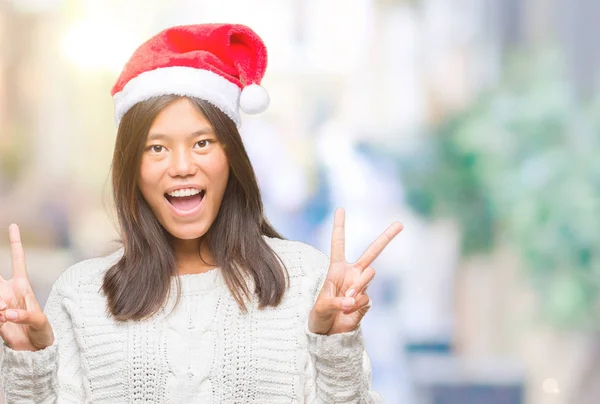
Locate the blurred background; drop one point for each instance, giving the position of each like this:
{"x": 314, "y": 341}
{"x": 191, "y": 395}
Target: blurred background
{"x": 474, "y": 122}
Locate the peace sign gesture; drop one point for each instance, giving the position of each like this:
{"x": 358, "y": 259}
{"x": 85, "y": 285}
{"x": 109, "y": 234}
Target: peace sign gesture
{"x": 23, "y": 324}
{"x": 342, "y": 302}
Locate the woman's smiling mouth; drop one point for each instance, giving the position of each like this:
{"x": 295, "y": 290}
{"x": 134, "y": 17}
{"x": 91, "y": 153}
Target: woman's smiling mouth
{"x": 185, "y": 201}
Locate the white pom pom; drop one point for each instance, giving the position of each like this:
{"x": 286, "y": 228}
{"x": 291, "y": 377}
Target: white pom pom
{"x": 254, "y": 99}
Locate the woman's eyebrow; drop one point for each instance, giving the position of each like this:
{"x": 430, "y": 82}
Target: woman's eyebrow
{"x": 161, "y": 136}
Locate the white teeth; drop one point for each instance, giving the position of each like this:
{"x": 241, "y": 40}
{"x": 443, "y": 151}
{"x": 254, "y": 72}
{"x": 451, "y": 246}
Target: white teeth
{"x": 184, "y": 192}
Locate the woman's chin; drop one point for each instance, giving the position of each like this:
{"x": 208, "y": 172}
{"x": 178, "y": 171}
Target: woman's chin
{"x": 185, "y": 232}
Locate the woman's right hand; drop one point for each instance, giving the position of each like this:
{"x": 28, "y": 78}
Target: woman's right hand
{"x": 23, "y": 324}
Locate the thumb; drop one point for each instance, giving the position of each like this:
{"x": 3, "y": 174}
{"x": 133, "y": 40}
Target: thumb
{"x": 329, "y": 306}
{"x": 37, "y": 320}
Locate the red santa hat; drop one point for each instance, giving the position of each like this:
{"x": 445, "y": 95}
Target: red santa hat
{"x": 219, "y": 63}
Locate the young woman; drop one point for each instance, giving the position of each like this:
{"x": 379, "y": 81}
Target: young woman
{"x": 205, "y": 302}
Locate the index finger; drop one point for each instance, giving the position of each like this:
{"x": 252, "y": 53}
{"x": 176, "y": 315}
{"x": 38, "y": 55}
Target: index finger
{"x": 16, "y": 252}
{"x": 378, "y": 245}
{"x": 338, "y": 237}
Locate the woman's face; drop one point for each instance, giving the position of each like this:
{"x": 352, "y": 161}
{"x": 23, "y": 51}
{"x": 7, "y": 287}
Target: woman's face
{"x": 184, "y": 171}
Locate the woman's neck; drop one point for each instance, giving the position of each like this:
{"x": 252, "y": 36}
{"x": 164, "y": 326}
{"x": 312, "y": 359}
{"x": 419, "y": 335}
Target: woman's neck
{"x": 193, "y": 257}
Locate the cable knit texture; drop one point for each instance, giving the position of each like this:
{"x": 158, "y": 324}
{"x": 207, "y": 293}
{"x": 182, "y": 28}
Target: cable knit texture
{"x": 204, "y": 350}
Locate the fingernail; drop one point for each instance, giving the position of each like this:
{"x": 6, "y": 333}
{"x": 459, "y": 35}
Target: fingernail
{"x": 11, "y": 315}
{"x": 350, "y": 293}
{"x": 347, "y": 303}
{"x": 2, "y": 305}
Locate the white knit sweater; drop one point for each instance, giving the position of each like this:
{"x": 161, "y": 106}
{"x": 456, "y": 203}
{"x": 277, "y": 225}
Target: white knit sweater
{"x": 205, "y": 351}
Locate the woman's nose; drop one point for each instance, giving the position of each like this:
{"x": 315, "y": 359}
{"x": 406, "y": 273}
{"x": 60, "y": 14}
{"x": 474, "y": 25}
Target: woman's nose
{"x": 182, "y": 164}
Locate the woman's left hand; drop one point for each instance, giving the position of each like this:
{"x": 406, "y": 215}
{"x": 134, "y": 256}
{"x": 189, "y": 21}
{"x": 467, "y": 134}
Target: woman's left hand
{"x": 342, "y": 302}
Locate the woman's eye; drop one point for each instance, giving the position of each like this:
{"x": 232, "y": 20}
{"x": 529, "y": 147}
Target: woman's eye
{"x": 203, "y": 143}
{"x": 156, "y": 148}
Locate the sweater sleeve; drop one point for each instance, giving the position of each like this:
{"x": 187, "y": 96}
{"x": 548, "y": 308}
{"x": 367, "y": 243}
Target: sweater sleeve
{"x": 339, "y": 366}
{"x": 50, "y": 375}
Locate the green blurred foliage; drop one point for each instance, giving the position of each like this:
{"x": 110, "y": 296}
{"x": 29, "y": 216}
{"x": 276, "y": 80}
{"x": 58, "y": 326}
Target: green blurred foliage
{"x": 523, "y": 165}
